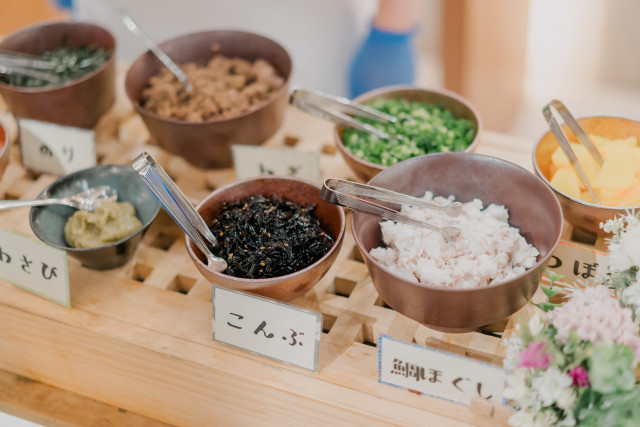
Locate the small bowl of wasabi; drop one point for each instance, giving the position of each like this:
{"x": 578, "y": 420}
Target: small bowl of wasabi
{"x": 116, "y": 240}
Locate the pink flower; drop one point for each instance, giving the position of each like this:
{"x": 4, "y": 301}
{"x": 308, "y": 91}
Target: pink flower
{"x": 580, "y": 376}
{"x": 534, "y": 356}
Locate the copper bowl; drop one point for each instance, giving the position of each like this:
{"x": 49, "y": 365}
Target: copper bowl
{"x": 459, "y": 106}
{"x": 208, "y": 144}
{"x": 301, "y": 192}
{"x": 79, "y": 102}
{"x": 532, "y": 207}
{"x": 5, "y": 149}
{"x": 580, "y": 214}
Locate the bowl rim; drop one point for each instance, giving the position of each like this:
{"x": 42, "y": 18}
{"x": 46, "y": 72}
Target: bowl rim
{"x": 509, "y": 282}
{"x": 272, "y": 98}
{"x": 259, "y": 283}
{"x": 120, "y": 168}
{"x": 52, "y": 88}
{"x": 538, "y": 172}
{"x": 374, "y": 93}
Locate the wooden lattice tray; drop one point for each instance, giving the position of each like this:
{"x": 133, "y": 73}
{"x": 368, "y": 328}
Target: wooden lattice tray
{"x": 139, "y": 337}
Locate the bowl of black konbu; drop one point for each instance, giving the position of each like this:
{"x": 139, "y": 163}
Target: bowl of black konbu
{"x": 48, "y": 222}
{"x": 267, "y": 229}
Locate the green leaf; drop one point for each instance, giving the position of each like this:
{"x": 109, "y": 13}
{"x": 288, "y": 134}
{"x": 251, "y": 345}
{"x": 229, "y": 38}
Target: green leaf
{"x": 549, "y": 291}
{"x": 546, "y": 306}
{"x": 554, "y": 277}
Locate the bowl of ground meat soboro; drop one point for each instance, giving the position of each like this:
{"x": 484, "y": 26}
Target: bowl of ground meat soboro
{"x": 79, "y": 68}
{"x": 239, "y": 94}
{"x": 428, "y": 121}
{"x": 277, "y": 234}
{"x": 510, "y": 224}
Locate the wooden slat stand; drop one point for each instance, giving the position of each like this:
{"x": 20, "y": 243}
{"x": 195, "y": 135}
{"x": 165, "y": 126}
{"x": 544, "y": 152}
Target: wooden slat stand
{"x": 139, "y": 337}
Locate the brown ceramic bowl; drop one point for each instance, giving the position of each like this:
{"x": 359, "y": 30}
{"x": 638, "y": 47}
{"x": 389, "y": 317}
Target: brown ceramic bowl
{"x": 208, "y": 144}
{"x": 580, "y": 214}
{"x": 532, "y": 207}
{"x": 5, "y": 149}
{"x": 459, "y": 106}
{"x": 301, "y": 192}
{"x": 79, "y": 102}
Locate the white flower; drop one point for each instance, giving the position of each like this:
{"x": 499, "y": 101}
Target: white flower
{"x": 514, "y": 347}
{"x": 545, "y": 418}
{"x": 536, "y": 324}
{"x": 516, "y": 387}
{"x": 521, "y": 418}
{"x": 613, "y": 225}
{"x": 568, "y": 421}
{"x": 631, "y": 298}
{"x": 550, "y": 385}
{"x": 567, "y": 399}
{"x": 625, "y": 252}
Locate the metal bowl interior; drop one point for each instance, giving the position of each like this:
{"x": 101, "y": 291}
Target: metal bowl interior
{"x": 458, "y": 105}
{"x": 290, "y": 286}
{"x": 208, "y": 144}
{"x": 580, "y": 214}
{"x": 47, "y": 222}
{"x": 80, "y": 102}
{"x": 532, "y": 207}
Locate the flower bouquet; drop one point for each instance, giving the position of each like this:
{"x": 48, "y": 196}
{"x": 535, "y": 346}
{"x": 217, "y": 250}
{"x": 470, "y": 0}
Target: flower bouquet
{"x": 574, "y": 363}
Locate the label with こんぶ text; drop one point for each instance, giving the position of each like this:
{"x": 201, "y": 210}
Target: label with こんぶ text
{"x": 268, "y": 327}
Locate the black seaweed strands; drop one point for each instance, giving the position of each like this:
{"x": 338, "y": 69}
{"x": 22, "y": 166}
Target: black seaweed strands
{"x": 268, "y": 237}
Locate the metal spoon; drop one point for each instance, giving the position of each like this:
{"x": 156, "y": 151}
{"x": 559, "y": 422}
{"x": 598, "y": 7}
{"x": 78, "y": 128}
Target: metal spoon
{"x": 88, "y": 200}
{"x": 157, "y": 51}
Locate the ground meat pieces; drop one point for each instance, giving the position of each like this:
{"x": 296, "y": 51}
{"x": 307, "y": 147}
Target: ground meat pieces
{"x": 488, "y": 250}
{"x": 224, "y": 88}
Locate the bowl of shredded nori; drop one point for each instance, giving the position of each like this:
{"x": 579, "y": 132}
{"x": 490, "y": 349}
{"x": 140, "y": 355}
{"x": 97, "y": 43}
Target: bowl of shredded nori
{"x": 277, "y": 234}
{"x": 81, "y": 56}
{"x": 428, "y": 121}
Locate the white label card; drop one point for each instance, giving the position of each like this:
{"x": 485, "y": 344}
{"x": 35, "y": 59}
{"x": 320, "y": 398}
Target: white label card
{"x": 578, "y": 263}
{"x": 55, "y": 149}
{"x": 251, "y": 161}
{"x": 268, "y": 327}
{"x": 35, "y": 267}
{"x": 438, "y": 373}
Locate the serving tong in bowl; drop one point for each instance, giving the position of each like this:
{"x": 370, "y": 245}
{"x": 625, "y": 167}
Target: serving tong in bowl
{"x": 349, "y": 194}
{"x": 562, "y": 139}
{"x": 27, "y": 65}
{"x": 336, "y": 109}
{"x": 178, "y": 207}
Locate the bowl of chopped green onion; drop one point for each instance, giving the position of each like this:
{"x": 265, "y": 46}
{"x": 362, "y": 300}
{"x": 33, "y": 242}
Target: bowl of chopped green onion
{"x": 428, "y": 121}
{"x": 73, "y": 81}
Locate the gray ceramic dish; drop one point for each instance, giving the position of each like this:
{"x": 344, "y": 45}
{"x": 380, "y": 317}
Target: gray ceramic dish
{"x": 47, "y": 222}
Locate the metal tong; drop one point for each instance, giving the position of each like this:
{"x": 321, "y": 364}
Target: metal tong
{"x": 335, "y": 109}
{"x": 178, "y": 207}
{"x": 580, "y": 133}
{"x": 27, "y": 65}
{"x": 348, "y": 194}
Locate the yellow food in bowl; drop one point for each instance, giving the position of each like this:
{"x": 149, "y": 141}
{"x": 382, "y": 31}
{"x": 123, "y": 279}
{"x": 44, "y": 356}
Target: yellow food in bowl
{"x": 616, "y": 183}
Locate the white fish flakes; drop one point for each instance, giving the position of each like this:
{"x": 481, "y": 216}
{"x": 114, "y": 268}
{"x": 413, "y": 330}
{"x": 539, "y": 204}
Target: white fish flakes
{"x": 488, "y": 250}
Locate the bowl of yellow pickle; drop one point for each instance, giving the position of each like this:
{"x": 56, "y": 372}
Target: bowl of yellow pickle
{"x": 616, "y": 182}
{"x": 107, "y": 236}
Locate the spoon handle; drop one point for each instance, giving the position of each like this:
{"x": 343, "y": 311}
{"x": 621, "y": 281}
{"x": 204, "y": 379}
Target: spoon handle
{"x": 155, "y": 49}
{"x": 10, "y": 204}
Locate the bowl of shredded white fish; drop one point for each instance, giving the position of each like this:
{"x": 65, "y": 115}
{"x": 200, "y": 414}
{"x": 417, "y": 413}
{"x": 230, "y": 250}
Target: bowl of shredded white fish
{"x": 509, "y": 226}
